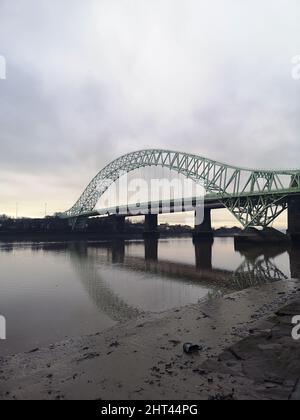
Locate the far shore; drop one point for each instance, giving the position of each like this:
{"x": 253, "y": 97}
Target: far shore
{"x": 45, "y": 236}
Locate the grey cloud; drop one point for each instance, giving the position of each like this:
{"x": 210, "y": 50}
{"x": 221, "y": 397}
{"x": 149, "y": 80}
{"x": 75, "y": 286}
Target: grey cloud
{"x": 88, "y": 81}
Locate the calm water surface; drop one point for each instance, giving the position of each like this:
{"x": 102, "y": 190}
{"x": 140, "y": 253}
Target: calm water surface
{"x": 52, "y": 291}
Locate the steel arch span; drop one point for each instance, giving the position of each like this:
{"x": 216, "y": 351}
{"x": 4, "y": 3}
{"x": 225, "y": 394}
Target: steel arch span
{"x": 254, "y": 196}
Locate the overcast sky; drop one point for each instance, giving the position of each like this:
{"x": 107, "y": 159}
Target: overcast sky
{"x": 90, "y": 80}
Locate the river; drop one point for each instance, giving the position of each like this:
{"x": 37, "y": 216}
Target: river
{"x": 53, "y": 291}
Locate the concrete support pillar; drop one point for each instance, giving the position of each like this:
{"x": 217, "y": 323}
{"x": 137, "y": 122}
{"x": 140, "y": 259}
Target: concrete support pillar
{"x": 204, "y": 229}
{"x": 80, "y": 249}
{"x": 268, "y": 235}
{"x": 294, "y": 253}
{"x": 203, "y": 253}
{"x": 151, "y": 249}
{"x": 294, "y": 219}
{"x": 72, "y": 223}
{"x": 118, "y": 224}
{"x": 118, "y": 251}
{"x": 151, "y": 226}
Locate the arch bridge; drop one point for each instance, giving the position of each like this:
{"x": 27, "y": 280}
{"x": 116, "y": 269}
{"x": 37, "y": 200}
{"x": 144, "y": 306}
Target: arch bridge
{"x": 256, "y": 197}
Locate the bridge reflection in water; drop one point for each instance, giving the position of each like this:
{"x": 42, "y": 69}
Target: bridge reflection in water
{"x": 258, "y": 267}
{"x": 82, "y": 288}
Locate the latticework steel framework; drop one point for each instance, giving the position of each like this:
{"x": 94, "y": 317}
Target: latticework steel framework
{"x": 254, "y": 197}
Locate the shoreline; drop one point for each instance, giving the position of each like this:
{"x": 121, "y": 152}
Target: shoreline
{"x": 92, "y": 237}
{"x": 143, "y": 358}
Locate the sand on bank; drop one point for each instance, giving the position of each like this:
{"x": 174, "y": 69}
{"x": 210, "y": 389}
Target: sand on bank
{"x": 143, "y": 358}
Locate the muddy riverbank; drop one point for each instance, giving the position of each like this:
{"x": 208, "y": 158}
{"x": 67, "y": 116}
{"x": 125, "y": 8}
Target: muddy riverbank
{"x": 143, "y": 358}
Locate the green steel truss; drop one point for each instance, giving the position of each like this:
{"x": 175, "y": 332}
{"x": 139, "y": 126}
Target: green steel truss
{"x": 254, "y": 197}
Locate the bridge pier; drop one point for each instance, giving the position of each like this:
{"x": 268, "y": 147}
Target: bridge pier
{"x": 294, "y": 219}
{"x": 294, "y": 254}
{"x": 118, "y": 251}
{"x": 254, "y": 236}
{"x": 151, "y": 249}
{"x": 204, "y": 229}
{"x": 151, "y": 226}
{"x": 118, "y": 224}
{"x": 203, "y": 253}
{"x": 77, "y": 223}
